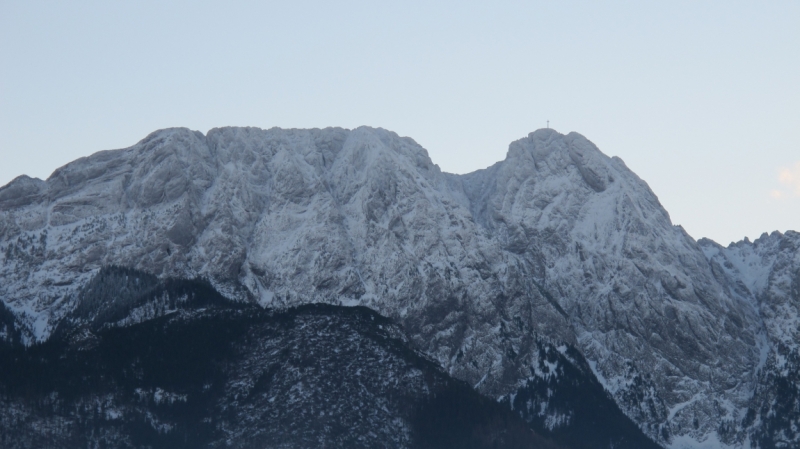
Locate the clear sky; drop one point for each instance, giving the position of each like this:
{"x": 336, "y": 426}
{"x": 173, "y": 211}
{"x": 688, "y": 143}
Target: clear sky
{"x": 701, "y": 99}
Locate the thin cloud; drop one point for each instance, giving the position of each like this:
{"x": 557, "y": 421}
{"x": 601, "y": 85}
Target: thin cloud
{"x": 789, "y": 178}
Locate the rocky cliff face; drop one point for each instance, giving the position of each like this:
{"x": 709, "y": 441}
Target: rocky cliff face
{"x": 641, "y": 298}
{"x": 557, "y": 241}
{"x": 768, "y": 272}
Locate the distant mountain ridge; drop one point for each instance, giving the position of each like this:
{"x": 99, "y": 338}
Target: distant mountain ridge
{"x": 557, "y": 242}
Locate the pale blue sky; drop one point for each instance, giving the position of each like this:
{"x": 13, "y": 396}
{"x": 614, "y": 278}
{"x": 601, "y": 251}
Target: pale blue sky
{"x": 701, "y": 99}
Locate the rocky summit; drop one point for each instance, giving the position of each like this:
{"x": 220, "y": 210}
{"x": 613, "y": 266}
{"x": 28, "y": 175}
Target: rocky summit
{"x": 552, "y": 282}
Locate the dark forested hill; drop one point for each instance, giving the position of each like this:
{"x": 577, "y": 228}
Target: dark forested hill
{"x": 207, "y": 374}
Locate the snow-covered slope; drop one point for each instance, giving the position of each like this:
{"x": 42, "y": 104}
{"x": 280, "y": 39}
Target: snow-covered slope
{"x": 557, "y": 240}
{"x": 768, "y": 271}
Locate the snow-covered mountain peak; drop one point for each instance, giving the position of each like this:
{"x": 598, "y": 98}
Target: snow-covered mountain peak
{"x": 21, "y": 190}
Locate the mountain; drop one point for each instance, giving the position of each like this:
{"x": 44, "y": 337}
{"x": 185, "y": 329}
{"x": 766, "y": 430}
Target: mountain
{"x": 489, "y": 273}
